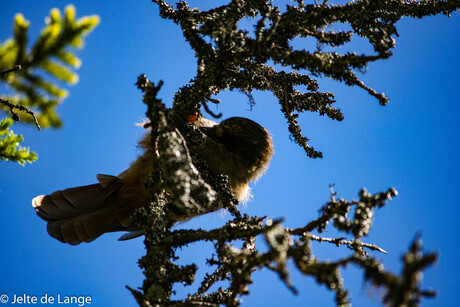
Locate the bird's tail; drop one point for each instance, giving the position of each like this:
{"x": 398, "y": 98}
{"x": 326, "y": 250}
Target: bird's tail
{"x": 84, "y": 213}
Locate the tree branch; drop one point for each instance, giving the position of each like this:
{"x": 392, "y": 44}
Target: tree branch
{"x": 7, "y": 71}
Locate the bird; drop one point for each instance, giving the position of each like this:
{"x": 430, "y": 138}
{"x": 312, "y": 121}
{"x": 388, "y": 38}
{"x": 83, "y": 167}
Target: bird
{"x": 237, "y": 147}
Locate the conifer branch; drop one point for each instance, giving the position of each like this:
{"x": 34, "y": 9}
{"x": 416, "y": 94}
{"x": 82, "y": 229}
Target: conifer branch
{"x": 31, "y": 93}
{"x": 9, "y": 145}
{"x": 12, "y": 106}
{"x": 50, "y": 53}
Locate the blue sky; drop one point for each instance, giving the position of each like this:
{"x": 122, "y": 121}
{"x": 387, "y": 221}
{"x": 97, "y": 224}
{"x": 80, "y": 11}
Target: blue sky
{"x": 411, "y": 144}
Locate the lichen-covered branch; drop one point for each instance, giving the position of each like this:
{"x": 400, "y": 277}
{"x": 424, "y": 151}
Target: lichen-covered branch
{"x": 230, "y": 57}
{"x": 237, "y": 264}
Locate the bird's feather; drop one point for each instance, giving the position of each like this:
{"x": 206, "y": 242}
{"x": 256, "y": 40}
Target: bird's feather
{"x": 237, "y": 147}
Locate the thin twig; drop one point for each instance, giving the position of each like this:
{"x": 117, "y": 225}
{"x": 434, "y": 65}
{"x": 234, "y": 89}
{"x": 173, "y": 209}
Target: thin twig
{"x": 206, "y": 108}
{"x": 6, "y": 72}
{"x": 351, "y": 243}
{"x": 13, "y": 106}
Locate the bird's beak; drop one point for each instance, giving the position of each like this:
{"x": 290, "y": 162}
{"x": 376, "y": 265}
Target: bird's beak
{"x": 209, "y": 131}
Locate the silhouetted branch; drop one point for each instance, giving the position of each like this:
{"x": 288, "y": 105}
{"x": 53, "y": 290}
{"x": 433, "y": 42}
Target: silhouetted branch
{"x": 7, "y": 71}
{"x": 15, "y": 115}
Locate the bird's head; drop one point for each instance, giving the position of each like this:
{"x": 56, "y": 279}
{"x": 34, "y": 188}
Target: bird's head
{"x": 241, "y": 147}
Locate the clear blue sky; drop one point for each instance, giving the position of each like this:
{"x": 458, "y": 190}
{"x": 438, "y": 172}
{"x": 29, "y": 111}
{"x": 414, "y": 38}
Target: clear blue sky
{"x": 411, "y": 144}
